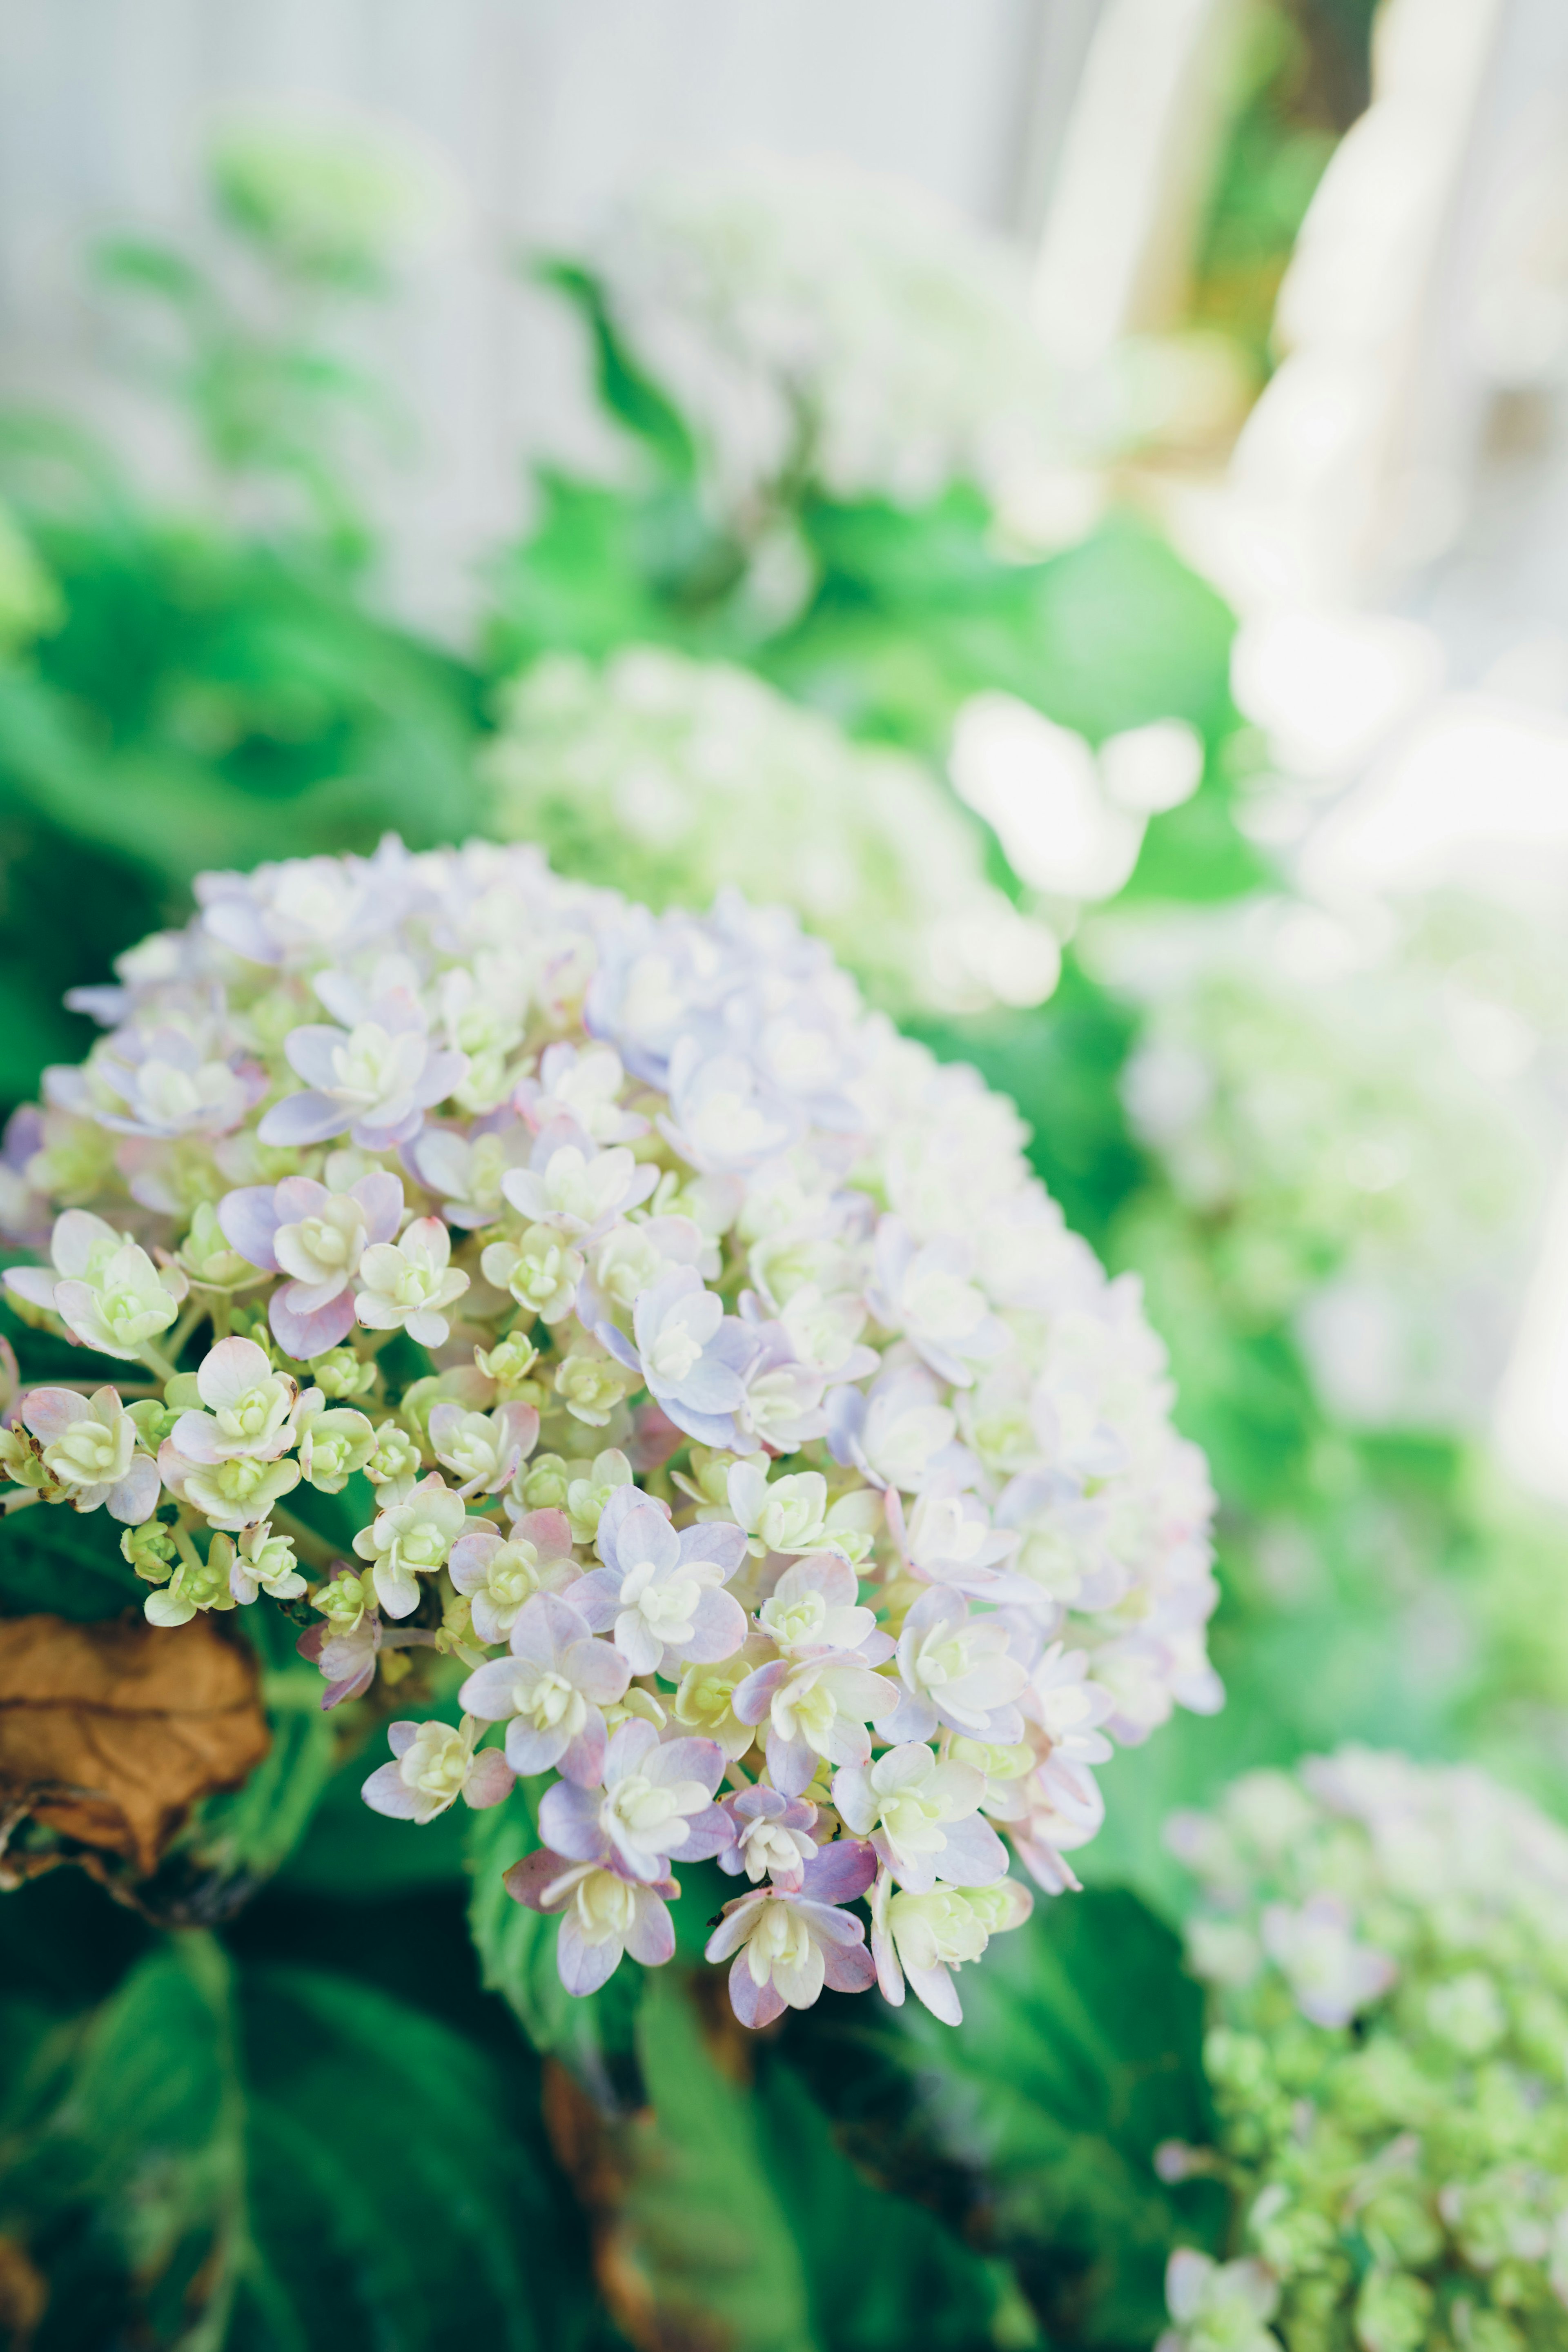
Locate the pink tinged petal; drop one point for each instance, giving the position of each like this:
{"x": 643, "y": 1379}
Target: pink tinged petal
{"x": 973, "y": 1855}
{"x": 599, "y": 1672}
{"x": 940, "y": 1994}
{"x": 491, "y": 1691}
{"x": 387, "y": 1792}
{"x": 652, "y": 1937}
{"x": 549, "y": 1532}
{"x": 753, "y": 2004}
{"x": 596, "y": 1598}
{"x": 248, "y": 1220}
{"x": 194, "y": 1436}
{"x": 569, "y": 1821}
{"x": 840, "y": 1872}
{"x": 531, "y": 1747}
{"x": 230, "y": 1371}
{"x": 134, "y": 1497}
{"x": 584, "y": 1760}
{"x": 302, "y": 1336}
{"x": 401, "y": 1736}
{"x": 49, "y": 1413}
{"x": 491, "y": 1781}
{"x": 303, "y": 1118}
{"x": 717, "y": 1628}
{"x": 537, "y": 1877}
{"x": 849, "y": 1967}
{"x": 583, "y": 1966}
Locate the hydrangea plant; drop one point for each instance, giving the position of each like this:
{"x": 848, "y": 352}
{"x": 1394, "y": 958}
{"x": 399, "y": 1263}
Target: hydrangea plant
{"x": 1387, "y": 1948}
{"x": 819, "y": 326}
{"x": 707, "y": 1372}
{"x": 676, "y": 777}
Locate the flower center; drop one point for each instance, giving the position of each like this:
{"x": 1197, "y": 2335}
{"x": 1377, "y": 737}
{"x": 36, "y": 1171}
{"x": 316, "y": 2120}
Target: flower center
{"x": 552, "y": 1701}
{"x": 606, "y": 1908}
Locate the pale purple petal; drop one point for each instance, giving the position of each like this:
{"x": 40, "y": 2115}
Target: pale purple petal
{"x": 652, "y": 1937}
{"x": 302, "y": 1336}
{"x": 596, "y": 1597}
{"x": 711, "y": 1833}
{"x": 380, "y": 1195}
{"x": 582, "y": 1760}
{"x": 753, "y": 2004}
{"x": 583, "y": 1966}
{"x": 600, "y": 1673}
{"x": 733, "y": 1929}
{"x": 685, "y": 1760}
{"x": 973, "y": 1855}
{"x": 533, "y": 1747}
{"x": 312, "y": 1051}
{"x": 849, "y": 1967}
{"x": 491, "y": 1691}
{"x": 302, "y": 1119}
{"x": 840, "y": 1872}
{"x": 248, "y": 1220}
{"x": 752, "y": 1698}
{"x": 717, "y": 1627}
{"x": 569, "y": 1821}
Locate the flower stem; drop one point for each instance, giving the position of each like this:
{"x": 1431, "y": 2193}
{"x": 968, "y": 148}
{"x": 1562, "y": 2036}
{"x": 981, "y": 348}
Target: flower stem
{"x": 307, "y": 1543}
{"x": 160, "y": 1364}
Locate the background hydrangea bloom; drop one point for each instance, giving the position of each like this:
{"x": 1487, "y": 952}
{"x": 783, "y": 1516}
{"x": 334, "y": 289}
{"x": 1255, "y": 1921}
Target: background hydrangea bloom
{"x": 1386, "y": 1947}
{"x": 673, "y": 778}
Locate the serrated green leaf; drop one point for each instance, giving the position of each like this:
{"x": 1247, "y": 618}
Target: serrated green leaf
{"x": 1079, "y": 2053}
{"x": 516, "y": 1946}
{"x": 745, "y": 2225}
{"x": 285, "y": 2159}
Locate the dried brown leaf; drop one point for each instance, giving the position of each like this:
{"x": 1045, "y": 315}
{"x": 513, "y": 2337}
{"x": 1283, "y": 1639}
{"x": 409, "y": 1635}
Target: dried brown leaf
{"x": 110, "y": 1732}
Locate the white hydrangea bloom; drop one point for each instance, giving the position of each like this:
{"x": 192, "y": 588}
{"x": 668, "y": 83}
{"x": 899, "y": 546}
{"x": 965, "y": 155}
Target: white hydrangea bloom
{"x": 681, "y": 778}
{"x": 818, "y": 324}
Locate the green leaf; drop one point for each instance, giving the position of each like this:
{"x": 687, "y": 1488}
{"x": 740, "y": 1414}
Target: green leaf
{"x": 1079, "y": 2053}
{"x": 747, "y": 2226}
{"x": 516, "y": 1946}
{"x": 282, "y": 2159}
{"x": 64, "y": 1563}
{"x": 627, "y": 391}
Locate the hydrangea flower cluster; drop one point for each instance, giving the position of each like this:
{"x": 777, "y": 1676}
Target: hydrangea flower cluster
{"x": 1343, "y": 1119}
{"x": 1386, "y": 1945}
{"x": 679, "y": 777}
{"x": 716, "y": 1384}
{"x": 817, "y": 325}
